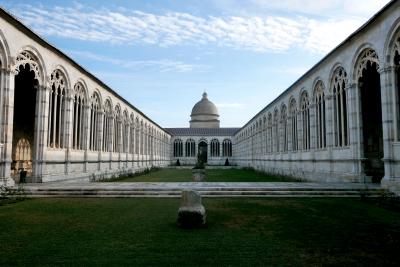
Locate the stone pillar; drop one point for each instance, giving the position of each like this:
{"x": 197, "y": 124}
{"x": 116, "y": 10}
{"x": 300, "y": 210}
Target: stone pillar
{"x": 313, "y": 125}
{"x": 299, "y": 118}
{"x": 388, "y": 96}
{"x": 3, "y": 78}
{"x": 40, "y": 135}
{"x": 85, "y": 134}
{"x": 100, "y": 119}
{"x": 355, "y": 128}
{"x": 329, "y": 121}
{"x": 119, "y": 139}
{"x": 128, "y": 146}
{"x": 68, "y": 130}
{"x": 264, "y": 141}
{"x": 329, "y": 130}
{"x": 7, "y": 89}
{"x": 221, "y": 147}
{"x": 111, "y": 129}
{"x": 289, "y": 133}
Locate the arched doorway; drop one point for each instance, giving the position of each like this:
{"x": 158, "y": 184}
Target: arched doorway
{"x": 23, "y": 122}
{"x": 371, "y": 109}
{"x": 203, "y": 151}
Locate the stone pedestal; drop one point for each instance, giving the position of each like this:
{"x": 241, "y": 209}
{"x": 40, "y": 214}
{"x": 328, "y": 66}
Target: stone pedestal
{"x": 191, "y": 214}
{"x": 198, "y": 175}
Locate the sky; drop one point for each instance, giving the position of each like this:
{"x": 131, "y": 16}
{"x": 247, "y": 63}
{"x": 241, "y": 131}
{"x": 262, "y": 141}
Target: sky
{"x": 162, "y": 55}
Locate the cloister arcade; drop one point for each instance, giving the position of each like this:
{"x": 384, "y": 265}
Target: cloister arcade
{"x": 340, "y": 121}
{"x": 60, "y": 122}
{"x": 343, "y": 121}
{"x": 217, "y": 149}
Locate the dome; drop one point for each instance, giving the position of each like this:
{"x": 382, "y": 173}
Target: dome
{"x": 204, "y": 107}
{"x": 204, "y": 114}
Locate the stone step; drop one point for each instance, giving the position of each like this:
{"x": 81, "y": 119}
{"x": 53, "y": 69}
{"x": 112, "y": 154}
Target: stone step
{"x": 204, "y": 193}
{"x": 225, "y": 189}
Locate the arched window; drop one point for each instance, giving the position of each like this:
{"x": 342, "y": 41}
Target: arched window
{"x": 264, "y": 136}
{"x": 293, "y": 125}
{"x": 284, "y": 147}
{"x": 132, "y": 132}
{"x": 125, "y": 133}
{"x": 269, "y": 134}
{"x": 178, "y": 148}
{"x": 137, "y": 136}
{"x": 340, "y": 127}
{"x": 151, "y": 140}
{"x": 305, "y": 120}
{"x": 276, "y": 131}
{"x": 145, "y": 139}
{"x": 227, "y": 148}
{"x": 23, "y": 150}
{"x": 78, "y": 117}
{"x": 107, "y": 126}
{"x": 190, "y": 148}
{"x": 57, "y": 110}
{"x": 214, "y": 148}
{"x": 117, "y": 122}
{"x": 94, "y": 122}
{"x": 320, "y": 122}
{"x": 141, "y": 138}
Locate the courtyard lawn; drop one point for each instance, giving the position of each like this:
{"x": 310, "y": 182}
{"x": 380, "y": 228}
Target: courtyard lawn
{"x": 212, "y": 175}
{"x": 239, "y": 232}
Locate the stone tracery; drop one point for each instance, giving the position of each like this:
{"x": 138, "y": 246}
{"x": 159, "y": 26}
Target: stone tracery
{"x": 320, "y": 119}
{"x": 57, "y": 109}
{"x": 26, "y": 57}
{"x": 367, "y": 56}
{"x": 78, "y": 117}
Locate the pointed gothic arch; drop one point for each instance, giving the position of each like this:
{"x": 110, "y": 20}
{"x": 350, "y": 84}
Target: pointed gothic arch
{"x": 305, "y": 120}
{"x": 368, "y": 81}
{"x": 293, "y": 124}
{"x": 79, "y": 116}
{"x": 28, "y": 78}
{"x": 95, "y": 120}
{"x": 339, "y": 84}
{"x": 320, "y": 114}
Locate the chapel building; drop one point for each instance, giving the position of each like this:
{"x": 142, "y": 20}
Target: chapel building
{"x": 203, "y": 136}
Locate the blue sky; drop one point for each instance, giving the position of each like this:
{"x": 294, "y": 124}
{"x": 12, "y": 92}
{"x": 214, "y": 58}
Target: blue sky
{"x": 162, "y": 55}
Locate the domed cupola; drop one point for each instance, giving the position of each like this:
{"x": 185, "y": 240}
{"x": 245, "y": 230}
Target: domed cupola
{"x": 204, "y": 114}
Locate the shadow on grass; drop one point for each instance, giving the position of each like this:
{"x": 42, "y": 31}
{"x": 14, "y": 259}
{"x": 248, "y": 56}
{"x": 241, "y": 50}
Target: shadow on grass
{"x": 212, "y": 175}
{"x": 239, "y": 232}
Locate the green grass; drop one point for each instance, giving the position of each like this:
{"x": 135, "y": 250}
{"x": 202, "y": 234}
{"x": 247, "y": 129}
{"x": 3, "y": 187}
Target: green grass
{"x": 239, "y": 232}
{"x": 212, "y": 175}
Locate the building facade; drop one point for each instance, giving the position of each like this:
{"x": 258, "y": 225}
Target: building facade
{"x": 204, "y": 135}
{"x": 60, "y": 122}
{"x": 340, "y": 121}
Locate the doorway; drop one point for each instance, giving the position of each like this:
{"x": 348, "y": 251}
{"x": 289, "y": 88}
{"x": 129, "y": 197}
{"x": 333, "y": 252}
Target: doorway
{"x": 370, "y": 90}
{"x": 203, "y": 151}
{"x": 23, "y": 123}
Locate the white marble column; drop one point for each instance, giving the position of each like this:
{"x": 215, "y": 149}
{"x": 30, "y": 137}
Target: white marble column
{"x": 7, "y": 124}
{"x": 100, "y": 119}
{"x": 67, "y": 128}
{"x": 388, "y": 93}
{"x": 355, "y": 128}
{"x": 40, "y": 134}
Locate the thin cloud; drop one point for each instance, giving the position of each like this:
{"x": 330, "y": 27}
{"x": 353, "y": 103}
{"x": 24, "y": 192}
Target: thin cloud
{"x": 162, "y": 65}
{"x": 345, "y": 7}
{"x": 230, "y": 105}
{"x": 295, "y": 71}
{"x": 274, "y": 34}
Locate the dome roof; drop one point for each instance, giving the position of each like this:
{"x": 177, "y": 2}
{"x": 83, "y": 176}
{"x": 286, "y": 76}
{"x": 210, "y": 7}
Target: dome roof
{"x": 204, "y": 107}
